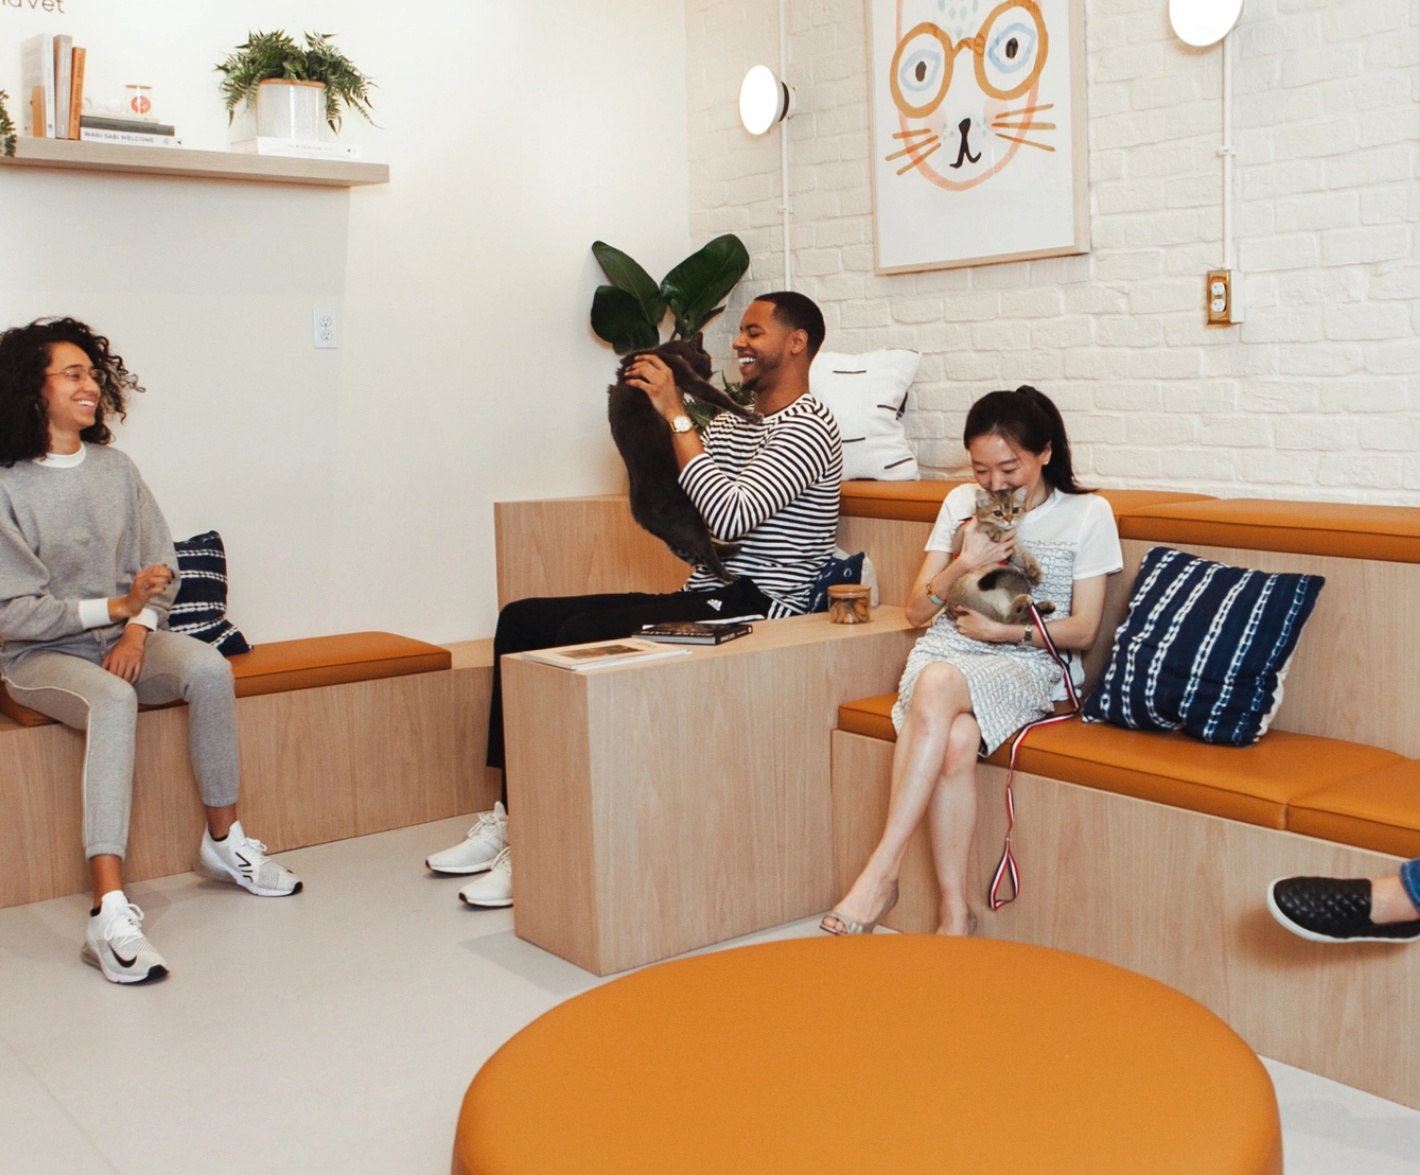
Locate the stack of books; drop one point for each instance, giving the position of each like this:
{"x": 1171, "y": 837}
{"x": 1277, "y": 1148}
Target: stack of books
{"x": 140, "y": 132}
{"x": 52, "y": 97}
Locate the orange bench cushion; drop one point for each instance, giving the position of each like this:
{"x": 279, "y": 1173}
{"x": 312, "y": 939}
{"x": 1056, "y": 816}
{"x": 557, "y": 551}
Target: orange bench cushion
{"x": 1254, "y": 784}
{"x": 1378, "y": 811}
{"x": 919, "y": 501}
{"x": 908, "y": 501}
{"x": 1390, "y": 533}
{"x": 305, "y": 664}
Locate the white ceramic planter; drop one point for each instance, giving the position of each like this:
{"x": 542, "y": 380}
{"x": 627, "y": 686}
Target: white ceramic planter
{"x": 290, "y": 110}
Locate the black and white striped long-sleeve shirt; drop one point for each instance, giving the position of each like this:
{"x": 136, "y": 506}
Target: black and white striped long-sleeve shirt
{"x": 772, "y": 487}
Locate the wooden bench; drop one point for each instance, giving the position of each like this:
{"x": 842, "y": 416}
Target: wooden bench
{"x": 339, "y": 736}
{"x": 1153, "y": 851}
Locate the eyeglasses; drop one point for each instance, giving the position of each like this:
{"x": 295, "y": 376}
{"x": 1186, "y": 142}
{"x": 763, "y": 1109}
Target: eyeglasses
{"x": 1010, "y": 51}
{"x": 77, "y": 375}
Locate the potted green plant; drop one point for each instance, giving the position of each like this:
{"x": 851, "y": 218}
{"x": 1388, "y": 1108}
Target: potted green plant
{"x": 292, "y": 87}
{"x": 629, "y": 312}
{"x": 7, "y": 128}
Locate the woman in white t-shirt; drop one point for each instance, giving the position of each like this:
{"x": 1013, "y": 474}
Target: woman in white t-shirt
{"x": 970, "y": 681}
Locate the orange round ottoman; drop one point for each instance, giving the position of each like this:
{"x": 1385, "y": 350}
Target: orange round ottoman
{"x": 893, "y": 1053}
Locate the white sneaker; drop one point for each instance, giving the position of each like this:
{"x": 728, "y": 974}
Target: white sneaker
{"x": 495, "y": 888}
{"x": 240, "y": 859}
{"x": 485, "y": 841}
{"x": 115, "y": 943}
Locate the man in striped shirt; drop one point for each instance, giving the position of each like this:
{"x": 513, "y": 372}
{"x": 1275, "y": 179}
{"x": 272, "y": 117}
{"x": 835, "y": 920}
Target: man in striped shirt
{"x": 771, "y": 486}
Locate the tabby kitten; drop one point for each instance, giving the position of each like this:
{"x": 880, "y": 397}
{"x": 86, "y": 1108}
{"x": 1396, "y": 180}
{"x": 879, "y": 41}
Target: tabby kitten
{"x": 1001, "y": 592}
{"x": 643, "y": 438}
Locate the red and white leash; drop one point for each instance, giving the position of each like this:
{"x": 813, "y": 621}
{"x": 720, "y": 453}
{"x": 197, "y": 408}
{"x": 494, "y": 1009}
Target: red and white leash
{"x": 1007, "y": 867}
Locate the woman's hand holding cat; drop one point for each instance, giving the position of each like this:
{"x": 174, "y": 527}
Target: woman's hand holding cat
{"x": 978, "y": 550}
{"x": 652, "y": 376}
{"x": 977, "y": 627}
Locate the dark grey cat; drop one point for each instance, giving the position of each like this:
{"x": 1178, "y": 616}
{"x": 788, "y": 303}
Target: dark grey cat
{"x": 1001, "y": 592}
{"x": 643, "y": 438}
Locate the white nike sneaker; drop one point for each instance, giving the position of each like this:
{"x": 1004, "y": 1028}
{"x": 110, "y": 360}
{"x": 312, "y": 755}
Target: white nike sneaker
{"x": 485, "y": 841}
{"x": 240, "y": 859}
{"x": 495, "y": 888}
{"x": 115, "y": 943}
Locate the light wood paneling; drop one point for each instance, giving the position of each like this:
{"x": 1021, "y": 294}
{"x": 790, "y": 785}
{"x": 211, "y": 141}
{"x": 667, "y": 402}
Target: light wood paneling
{"x": 896, "y": 549}
{"x": 667, "y": 805}
{"x": 577, "y": 547}
{"x": 1356, "y": 667}
{"x": 1176, "y": 895}
{"x": 317, "y": 765}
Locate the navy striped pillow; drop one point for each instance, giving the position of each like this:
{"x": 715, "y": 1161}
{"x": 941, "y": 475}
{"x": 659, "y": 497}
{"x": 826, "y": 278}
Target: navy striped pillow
{"x": 1203, "y": 648}
{"x": 200, "y": 609}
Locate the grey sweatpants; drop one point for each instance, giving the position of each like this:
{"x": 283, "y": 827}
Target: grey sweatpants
{"x": 67, "y": 682}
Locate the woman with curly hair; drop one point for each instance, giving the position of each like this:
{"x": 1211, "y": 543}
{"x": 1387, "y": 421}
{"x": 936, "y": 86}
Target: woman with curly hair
{"x": 87, "y": 575}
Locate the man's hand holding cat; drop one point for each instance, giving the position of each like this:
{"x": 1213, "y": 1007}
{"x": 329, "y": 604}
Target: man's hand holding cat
{"x": 978, "y": 550}
{"x": 652, "y": 376}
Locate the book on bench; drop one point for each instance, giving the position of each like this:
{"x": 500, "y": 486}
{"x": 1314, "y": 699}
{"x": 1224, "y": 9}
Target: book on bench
{"x": 600, "y": 654}
{"x": 692, "y": 632}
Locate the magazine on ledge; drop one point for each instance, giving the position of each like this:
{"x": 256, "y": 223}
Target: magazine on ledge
{"x": 600, "y": 654}
{"x": 692, "y": 632}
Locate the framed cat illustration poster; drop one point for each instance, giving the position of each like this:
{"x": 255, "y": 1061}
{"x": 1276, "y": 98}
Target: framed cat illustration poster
{"x": 978, "y": 131}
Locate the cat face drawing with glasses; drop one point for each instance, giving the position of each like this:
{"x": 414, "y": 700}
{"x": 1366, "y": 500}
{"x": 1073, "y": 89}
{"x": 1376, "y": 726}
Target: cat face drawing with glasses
{"x": 965, "y": 81}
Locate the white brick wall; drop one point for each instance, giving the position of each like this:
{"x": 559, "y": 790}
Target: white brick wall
{"x": 1316, "y": 395}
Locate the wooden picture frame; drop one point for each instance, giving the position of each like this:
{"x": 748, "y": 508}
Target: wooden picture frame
{"x": 979, "y": 134}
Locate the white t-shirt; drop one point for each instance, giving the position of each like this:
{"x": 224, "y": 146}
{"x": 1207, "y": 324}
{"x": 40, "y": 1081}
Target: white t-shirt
{"x": 1082, "y": 523}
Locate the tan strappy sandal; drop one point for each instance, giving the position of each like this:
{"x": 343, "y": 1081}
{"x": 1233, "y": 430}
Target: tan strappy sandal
{"x": 847, "y": 925}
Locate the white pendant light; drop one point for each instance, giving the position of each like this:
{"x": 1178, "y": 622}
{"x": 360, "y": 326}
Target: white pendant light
{"x": 1201, "y": 23}
{"x": 764, "y": 100}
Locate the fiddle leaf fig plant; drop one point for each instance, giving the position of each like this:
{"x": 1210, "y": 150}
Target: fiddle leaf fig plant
{"x": 275, "y": 55}
{"x": 628, "y": 313}
{"x": 7, "y": 128}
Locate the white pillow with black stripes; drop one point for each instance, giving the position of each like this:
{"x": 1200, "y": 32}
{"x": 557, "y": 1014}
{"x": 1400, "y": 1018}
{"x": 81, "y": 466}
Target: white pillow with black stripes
{"x": 867, "y": 395}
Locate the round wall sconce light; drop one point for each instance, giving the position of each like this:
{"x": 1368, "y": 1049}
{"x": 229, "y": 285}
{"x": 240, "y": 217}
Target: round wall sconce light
{"x": 1201, "y": 23}
{"x": 765, "y": 100}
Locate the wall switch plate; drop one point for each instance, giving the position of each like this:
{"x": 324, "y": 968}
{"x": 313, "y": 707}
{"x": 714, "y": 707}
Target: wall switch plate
{"x": 1220, "y": 298}
{"x": 326, "y": 323}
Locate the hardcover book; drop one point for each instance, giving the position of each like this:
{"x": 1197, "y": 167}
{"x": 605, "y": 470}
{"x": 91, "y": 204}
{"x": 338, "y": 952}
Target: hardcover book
{"x": 600, "y": 654}
{"x": 691, "y": 632}
{"x": 37, "y": 81}
{"x": 129, "y": 138}
{"x": 76, "y": 91}
{"x": 134, "y": 126}
{"x": 63, "y": 80}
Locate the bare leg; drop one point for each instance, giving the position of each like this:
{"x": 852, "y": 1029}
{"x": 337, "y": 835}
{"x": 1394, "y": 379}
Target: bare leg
{"x": 951, "y": 819}
{"x": 919, "y": 760}
{"x": 220, "y": 820}
{"x": 1390, "y": 902}
{"x": 105, "y": 875}
{"x": 106, "y": 869}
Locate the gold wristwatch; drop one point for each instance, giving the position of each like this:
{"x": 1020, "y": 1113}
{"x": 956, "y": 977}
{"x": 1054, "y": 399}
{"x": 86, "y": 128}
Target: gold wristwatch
{"x": 682, "y": 423}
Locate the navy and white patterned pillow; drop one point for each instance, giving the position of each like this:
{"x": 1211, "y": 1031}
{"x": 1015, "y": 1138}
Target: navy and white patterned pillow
{"x": 200, "y": 609}
{"x": 1204, "y": 647}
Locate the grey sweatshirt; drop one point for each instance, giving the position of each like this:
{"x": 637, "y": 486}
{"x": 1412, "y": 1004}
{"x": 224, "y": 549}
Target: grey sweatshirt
{"x": 68, "y": 535}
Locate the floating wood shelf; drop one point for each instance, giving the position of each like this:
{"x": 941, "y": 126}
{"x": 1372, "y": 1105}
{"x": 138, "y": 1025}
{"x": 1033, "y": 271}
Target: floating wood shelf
{"x": 75, "y": 155}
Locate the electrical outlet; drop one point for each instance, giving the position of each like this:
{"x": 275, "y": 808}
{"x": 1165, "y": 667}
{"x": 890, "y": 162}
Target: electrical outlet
{"x": 327, "y": 333}
{"x": 1220, "y": 298}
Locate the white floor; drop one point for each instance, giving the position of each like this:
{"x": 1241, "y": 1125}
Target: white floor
{"x": 336, "y": 1031}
